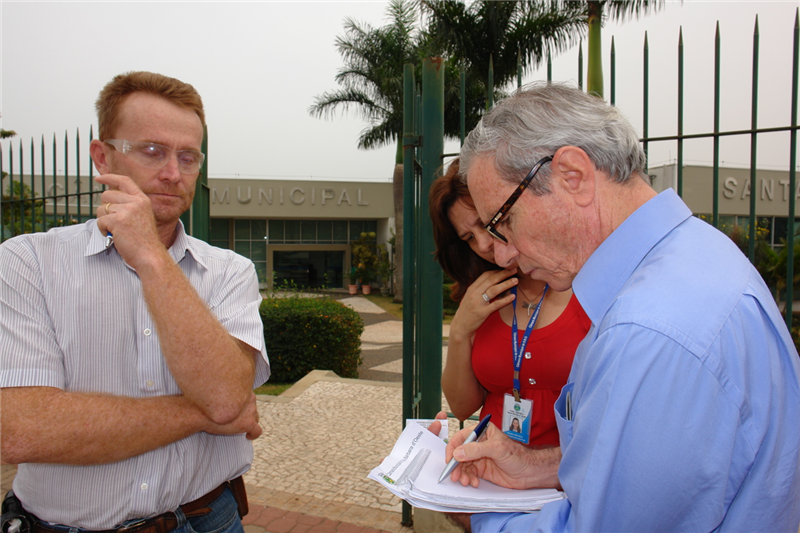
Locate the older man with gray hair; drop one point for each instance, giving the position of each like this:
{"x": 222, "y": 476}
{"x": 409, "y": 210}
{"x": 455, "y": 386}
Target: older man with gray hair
{"x": 681, "y": 410}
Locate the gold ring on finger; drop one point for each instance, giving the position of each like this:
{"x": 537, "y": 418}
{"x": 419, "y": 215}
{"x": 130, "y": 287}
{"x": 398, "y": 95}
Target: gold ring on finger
{"x": 108, "y": 208}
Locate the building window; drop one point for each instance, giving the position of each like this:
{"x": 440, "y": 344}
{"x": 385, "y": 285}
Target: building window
{"x": 220, "y": 233}
{"x": 251, "y": 238}
{"x": 317, "y": 231}
{"x": 248, "y": 240}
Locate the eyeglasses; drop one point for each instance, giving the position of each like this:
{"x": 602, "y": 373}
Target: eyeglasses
{"x": 491, "y": 227}
{"x": 156, "y": 156}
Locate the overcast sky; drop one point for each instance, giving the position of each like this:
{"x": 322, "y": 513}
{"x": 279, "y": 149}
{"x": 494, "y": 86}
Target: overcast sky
{"x": 259, "y": 65}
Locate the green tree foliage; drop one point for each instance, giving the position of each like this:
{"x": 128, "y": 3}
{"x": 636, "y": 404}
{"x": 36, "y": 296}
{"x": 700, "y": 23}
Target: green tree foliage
{"x": 364, "y": 256}
{"x": 506, "y": 34}
{"x": 5, "y": 134}
{"x": 371, "y": 78}
{"x": 766, "y": 258}
{"x": 371, "y": 84}
{"x": 597, "y": 13}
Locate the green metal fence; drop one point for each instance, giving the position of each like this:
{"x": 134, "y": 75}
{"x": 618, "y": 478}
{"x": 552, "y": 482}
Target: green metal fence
{"x": 421, "y": 343}
{"x": 754, "y": 132}
{"x": 34, "y": 199}
{"x": 37, "y": 195}
{"x": 422, "y": 320}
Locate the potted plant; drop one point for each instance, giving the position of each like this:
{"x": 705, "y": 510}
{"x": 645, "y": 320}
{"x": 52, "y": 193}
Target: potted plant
{"x": 363, "y": 255}
{"x": 385, "y": 269}
{"x": 352, "y": 288}
{"x": 367, "y": 276}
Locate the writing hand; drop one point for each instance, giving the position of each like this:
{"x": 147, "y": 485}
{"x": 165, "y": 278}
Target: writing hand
{"x": 502, "y": 461}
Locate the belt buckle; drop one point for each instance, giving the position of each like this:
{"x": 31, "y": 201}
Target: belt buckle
{"x": 133, "y": 525}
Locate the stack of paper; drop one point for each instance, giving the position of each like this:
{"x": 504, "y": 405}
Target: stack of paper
{"x": 412, "y": 470}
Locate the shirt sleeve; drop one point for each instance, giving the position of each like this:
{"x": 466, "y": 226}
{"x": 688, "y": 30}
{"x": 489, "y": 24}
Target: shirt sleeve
{"x": 29, "y": 351}
{"x": 236, "y": 305}
{"x": 501, "y": 522}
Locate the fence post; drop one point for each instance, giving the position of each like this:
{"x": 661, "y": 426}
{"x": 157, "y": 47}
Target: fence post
{"x": 792, "y": 173}
{"x": 430, "y": 273}
{"x": 409, "y": 255}
{"x": 751, "y": 245}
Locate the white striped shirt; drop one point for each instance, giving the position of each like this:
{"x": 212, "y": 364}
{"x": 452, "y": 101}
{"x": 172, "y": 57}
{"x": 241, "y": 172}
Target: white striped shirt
{"x": 67, "y": 306}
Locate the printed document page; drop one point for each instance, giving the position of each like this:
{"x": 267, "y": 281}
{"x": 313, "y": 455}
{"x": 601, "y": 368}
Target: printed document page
{"x": 412, "y": 471}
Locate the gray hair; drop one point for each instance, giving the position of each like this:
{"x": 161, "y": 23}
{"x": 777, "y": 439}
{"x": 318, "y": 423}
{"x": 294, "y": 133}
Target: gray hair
{"x": 539, "y": 119}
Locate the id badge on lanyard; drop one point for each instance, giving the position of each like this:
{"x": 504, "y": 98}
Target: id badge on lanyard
{"x": 517, "y": 411}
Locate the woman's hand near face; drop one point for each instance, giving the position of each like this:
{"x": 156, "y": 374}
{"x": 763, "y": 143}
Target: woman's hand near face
{"x": 474, "y": 309}
{"x": 463, "y": 391}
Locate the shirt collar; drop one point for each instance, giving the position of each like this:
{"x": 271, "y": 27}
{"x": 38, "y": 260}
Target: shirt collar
{"x": 97, "y": 241}
{"x": 182, "y": 244}
{"x": 613, "y": 262}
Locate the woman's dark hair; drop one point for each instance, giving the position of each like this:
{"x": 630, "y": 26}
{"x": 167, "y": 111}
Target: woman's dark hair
{"x": 454, "y": 255}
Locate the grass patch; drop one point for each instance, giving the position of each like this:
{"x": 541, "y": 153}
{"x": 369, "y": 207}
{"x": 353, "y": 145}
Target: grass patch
{"x": 272, "y": 389}
{"x": 396, "y": 309}
{"x": 387, "y": 304}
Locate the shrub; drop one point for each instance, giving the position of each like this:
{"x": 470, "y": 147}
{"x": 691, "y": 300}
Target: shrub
{"x": 449, "y": 305}
{"x": 795, "y": 332}
{"x": 304, "y": 334}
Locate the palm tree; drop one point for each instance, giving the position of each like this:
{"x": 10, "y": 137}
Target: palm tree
{"x": 372, "y": 75}
{"x": 503, "y": 34}
{"x": 371, "y": 81}
{"x": 615, "y": 10}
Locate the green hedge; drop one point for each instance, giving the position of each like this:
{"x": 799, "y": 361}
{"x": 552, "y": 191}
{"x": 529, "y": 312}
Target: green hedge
{"x": 305, "y": 334}
{"x": 449, "y": 305}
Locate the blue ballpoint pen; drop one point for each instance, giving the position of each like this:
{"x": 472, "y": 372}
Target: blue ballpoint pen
{"x": 109, "y": 239}
{"x": 475, "y": 435}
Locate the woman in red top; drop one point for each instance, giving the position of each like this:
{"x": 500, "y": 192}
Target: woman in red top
{"x": 479, "y": 373}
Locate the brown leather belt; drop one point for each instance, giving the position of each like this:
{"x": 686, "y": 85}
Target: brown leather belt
{"x": 163, "y": 523}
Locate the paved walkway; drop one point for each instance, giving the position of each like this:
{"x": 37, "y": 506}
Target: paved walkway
{"x": 322, "y": 437}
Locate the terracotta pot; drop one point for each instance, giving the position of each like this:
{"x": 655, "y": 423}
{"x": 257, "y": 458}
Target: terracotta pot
{"x": 353, "y": 289}
{"x": 366, "y": 289}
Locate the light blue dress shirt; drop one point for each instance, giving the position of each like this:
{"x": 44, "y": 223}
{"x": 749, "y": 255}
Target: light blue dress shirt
{"x": 685, "y": 391}
{"x": 73, "y": 316}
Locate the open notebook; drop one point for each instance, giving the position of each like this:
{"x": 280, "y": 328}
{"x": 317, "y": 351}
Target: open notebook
{"x": 412, "y": 469}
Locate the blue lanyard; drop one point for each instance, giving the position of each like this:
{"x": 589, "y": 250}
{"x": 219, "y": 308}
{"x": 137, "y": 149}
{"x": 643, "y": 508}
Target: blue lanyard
{"x": 517, "y": 349}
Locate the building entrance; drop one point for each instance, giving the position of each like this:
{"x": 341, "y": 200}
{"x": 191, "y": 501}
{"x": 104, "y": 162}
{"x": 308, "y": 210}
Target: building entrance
{"x": 307, "y": 268}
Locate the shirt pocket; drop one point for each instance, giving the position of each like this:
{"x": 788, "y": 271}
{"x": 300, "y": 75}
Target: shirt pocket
{"x": 564, "y": 419}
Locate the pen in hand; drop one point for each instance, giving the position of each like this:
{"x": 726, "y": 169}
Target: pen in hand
{"x": 475, "y": 435}
{"x": 109, "y": 239}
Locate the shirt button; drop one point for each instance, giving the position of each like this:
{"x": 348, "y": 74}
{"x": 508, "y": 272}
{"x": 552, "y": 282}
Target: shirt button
{"x": 147, "y": 332}
{"x": 532, "y": 381}
{"x": 150, "y": 383}
{"x": 527, "y": 355}
{"x": 144, "y": 486}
